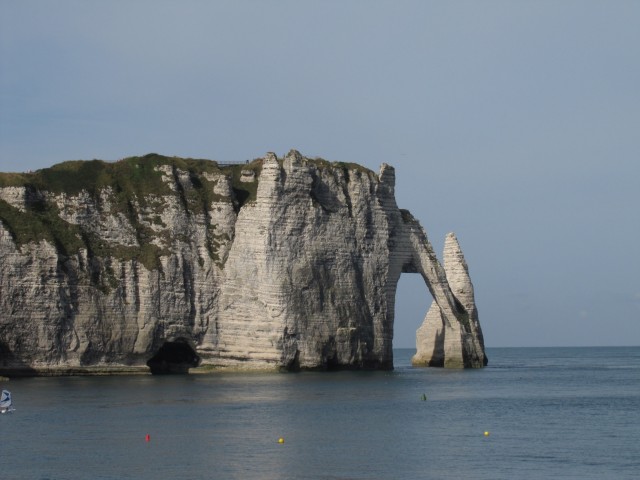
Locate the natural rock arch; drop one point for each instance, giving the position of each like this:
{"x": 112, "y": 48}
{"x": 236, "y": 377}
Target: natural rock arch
{"x": 450, "y": 335}
{"x": 328, "y": 248}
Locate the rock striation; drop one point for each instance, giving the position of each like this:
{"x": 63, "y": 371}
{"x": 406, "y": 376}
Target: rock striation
{"x": 173, "y": 264}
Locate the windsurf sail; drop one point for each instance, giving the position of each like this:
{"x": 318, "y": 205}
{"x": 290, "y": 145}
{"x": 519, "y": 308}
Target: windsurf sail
{"x": 5, "y": 400}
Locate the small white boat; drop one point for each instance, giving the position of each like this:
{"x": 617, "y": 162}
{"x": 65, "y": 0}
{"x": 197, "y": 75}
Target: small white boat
{"x": 5, "y": 402}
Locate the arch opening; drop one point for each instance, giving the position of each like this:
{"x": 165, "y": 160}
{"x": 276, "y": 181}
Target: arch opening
{"x": 411, "y": 304}
{"x": 175, "y": 357}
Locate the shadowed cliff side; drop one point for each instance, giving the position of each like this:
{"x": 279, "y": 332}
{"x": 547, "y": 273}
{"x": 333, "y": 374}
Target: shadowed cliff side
{"x": 176, "y": 264}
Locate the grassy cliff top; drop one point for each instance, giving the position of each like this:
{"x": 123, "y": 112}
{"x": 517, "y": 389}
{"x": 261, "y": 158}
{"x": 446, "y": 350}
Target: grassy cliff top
{"x": 134, "y": 174}
{"x": 139, "y": 173}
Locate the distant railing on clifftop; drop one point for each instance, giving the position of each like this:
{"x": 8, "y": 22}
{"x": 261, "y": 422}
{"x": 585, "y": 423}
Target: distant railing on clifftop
{"x": 227, "y": 164}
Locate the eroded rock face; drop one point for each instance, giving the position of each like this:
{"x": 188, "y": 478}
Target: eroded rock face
{"x": 280, "y": 264}
{"x": 441, "y": 342}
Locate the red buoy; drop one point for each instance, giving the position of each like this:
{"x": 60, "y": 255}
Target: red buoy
{"x": 147, "y": 438}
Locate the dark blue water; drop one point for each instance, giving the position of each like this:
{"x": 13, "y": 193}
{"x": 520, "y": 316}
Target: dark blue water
{"x": 562, "y": 413}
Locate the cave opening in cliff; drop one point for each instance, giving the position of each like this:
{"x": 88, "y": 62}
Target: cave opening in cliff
{"x": 175, "y": 357}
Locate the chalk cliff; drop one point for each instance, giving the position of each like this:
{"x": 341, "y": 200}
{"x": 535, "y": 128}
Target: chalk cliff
{"x": 170, "y": 264}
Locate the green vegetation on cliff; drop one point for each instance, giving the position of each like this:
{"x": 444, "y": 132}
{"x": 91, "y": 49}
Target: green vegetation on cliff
{"x": 244, "y": 191}
{"x": 130, "y": 176}
{"x": 40, "y": 222}
{"x": 134, "y": 188}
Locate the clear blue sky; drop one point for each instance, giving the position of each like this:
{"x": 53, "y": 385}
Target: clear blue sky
{"x": 515, "y": 124}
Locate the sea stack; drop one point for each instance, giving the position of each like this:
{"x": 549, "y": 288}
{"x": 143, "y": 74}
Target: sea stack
{"x": 441, "y": 342}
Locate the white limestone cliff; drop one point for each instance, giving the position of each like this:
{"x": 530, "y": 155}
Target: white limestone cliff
{"x": 300, "y": 274}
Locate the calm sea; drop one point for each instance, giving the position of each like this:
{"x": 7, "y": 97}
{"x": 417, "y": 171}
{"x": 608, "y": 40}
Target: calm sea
{"x": 561, "y": 413}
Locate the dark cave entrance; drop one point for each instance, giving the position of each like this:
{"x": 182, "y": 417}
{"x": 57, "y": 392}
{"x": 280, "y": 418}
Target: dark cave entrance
{"x": 173, "y": 358}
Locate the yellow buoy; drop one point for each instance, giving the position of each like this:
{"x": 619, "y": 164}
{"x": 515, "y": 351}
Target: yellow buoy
{"x": 486, "y": 434}
{"x": 281, "y": 440}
